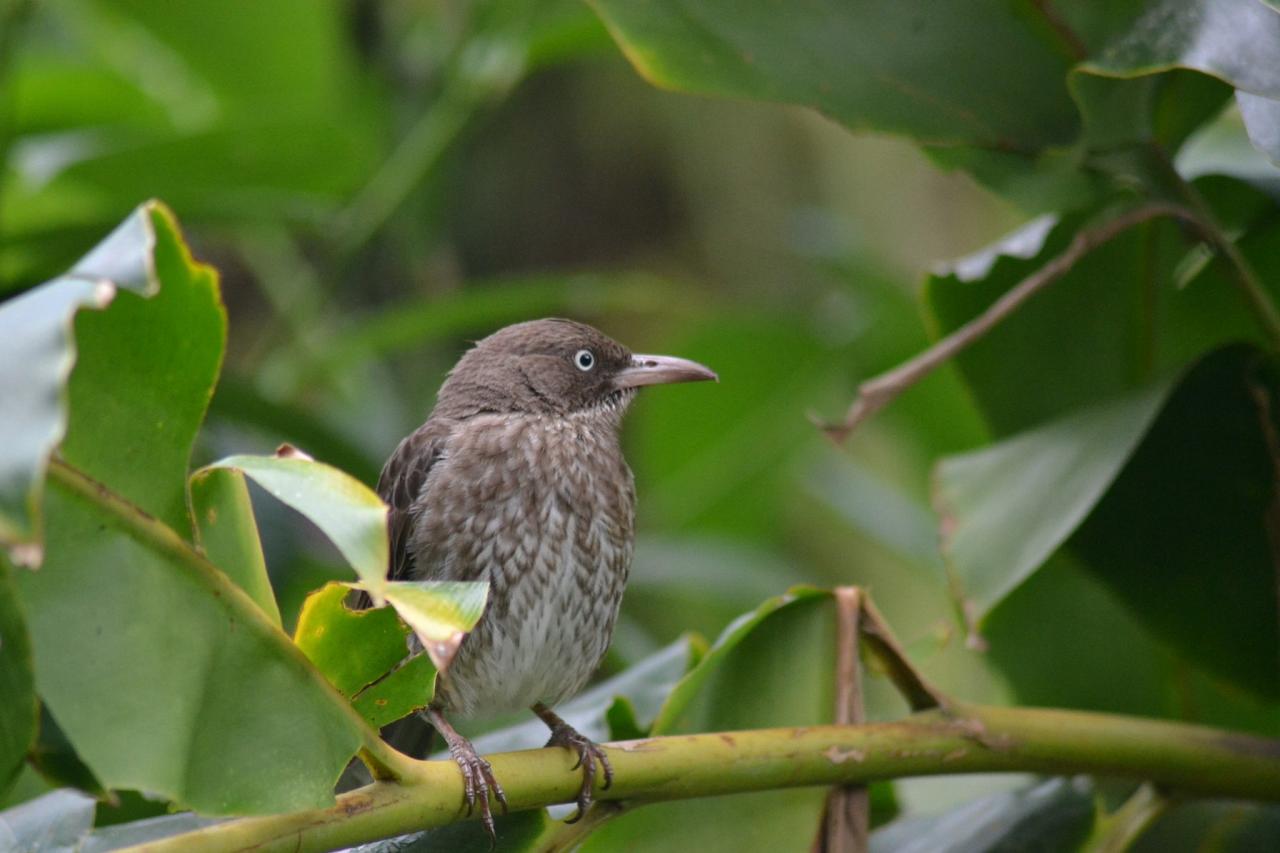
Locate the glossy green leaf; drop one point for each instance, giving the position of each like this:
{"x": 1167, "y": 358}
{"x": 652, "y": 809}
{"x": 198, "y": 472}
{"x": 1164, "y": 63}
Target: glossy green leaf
{"x": 1262, "y": 120}
{"x": 17, "y": 683}
{"x": 773, "y": 666}
{"x": 1005, "y": 508}
{"x": 1195, "y": 512}
{"x": 679, "y": 712}
{"x": 407, "y": 688}
{"x": 1222, "y": 147}
{"x": 438, "y": 610}
{"x": 37, "y": 350}
{"x": 1055, "y": 815}
{"x": 164, "y": 675}
{"x": 1064, "y": 639}
{"x": 1162, "y": 484}
{"x": 227, "y": 534}
{"x": 167, "y": 678}
{"x": 353, "y": 648}
{"x": 901, "y": 67}
{"x": 145, "y": 368}
{"x": 347, "y": 511}
{"x": 55, "y": 759}
{"x": 1236, "y": 41}
{"x": 363, "y": 652}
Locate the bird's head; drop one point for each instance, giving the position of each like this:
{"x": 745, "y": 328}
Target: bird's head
{"x": 555, "y": 367}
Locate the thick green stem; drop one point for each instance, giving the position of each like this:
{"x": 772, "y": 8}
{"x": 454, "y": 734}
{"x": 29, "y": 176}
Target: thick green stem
{"x": 966, "y": 739}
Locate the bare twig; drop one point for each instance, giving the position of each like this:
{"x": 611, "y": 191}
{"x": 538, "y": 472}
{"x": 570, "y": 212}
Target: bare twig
{"x": 876, "y": 393}
{"x": 846, "y": 822}
{"x": 920, "y": 694}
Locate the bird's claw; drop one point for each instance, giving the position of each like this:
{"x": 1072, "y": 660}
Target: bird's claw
{"x": 478, "y": 785}
{"x": 589, "y": 755}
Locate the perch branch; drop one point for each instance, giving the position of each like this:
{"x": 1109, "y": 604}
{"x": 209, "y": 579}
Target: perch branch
{"x": 964, "y": 739}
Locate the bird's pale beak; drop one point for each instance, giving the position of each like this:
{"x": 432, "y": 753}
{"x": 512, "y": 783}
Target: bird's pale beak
{"x": 661, "y": 370}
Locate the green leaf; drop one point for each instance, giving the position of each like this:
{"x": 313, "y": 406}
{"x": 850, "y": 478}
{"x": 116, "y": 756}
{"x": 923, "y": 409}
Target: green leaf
{"x": 1005, "y": 508}
{"x": 167, "y": 678}
{"x": 1235, "y": 41}
{"x": 163, "y": 674}
{"x": 145, "y": 368}
{"x": 1051, "y": 637}
{"x": 900, "y": 67}
{"x": 227, "y": 534}
{"x": 773, "y": 666}
{"x": 1180, "y": 537}
{"x": 681, "y": 712}
{"x": 363, "y": 652}
{"x": 406, "y": 689}
{"x": 439, "y": 612}
{"x": 347, "y": 511}
{"x": 1223, "y": 826}
{"x": 17, "y": 683}
{"x": 55, "y": 759}
{"x": 1055, "y": 815}
{"x": 1262, "y": 120}
{"x": 148, "y": 419}
{"x": 353, "y": 648}
{"x": 1196, "y": 512}
{"x": 36, "y": 352}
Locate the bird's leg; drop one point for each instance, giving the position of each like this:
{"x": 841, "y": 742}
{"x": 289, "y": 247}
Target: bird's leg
{"x": 477, "y": 776}
{"x": 563, "y": 734}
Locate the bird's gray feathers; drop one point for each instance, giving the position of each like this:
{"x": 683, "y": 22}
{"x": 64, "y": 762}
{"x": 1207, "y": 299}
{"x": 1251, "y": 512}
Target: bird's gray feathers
{"x": 400, "y": 484}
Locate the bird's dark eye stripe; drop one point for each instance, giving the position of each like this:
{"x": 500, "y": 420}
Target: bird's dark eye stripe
{"x": 584, "y": 359}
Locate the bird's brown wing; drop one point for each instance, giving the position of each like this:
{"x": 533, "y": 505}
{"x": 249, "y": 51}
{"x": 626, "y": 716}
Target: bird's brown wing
{"x": 401, "y": 483}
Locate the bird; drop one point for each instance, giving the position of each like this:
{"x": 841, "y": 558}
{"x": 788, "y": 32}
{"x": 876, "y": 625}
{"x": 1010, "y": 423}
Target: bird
{"x": 517, "y": 478}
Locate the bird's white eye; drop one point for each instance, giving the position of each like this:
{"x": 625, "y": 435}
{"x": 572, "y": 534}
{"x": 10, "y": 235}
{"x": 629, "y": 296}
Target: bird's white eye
{"x": 584, "y": 359}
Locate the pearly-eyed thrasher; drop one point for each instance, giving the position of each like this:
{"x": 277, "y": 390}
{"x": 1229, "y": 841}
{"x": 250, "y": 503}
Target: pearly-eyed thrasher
{"x": 517, "y": 478}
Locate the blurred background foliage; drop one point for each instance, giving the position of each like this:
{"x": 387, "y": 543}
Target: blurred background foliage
{"x": 381, "y": 182}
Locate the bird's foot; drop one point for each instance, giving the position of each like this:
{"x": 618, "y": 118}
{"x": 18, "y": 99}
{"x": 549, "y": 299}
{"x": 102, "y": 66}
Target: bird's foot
{"x": 478, "y": 782}
{"x": 590, "y": 755}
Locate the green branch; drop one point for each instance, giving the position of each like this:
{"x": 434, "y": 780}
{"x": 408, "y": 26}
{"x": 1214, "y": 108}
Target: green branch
{"x": 968, "y": 739}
